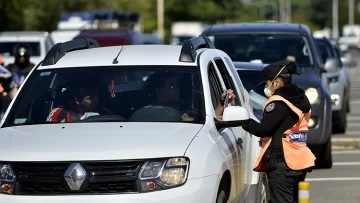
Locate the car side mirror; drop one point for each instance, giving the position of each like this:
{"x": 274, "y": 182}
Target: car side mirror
{"x": 233, "y": 116}
{"x": 348, "y": 62}
{"x": 333, "y": 65}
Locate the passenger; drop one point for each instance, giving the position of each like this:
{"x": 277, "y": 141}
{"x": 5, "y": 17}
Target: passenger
{"x": 78, "y": 101}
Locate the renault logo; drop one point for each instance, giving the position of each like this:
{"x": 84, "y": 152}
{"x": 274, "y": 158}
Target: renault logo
{"x": 75, "y": 176}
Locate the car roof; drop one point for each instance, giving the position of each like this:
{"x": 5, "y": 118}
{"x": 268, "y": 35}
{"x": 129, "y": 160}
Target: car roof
{"x": 111, "y": 33}
{"x": 22, "y": 36}
{"x": 249, "y": 66}
{"x": 24, "y": 33}
{"x": 258, "y": 27}
{"x": 130, "y": 55}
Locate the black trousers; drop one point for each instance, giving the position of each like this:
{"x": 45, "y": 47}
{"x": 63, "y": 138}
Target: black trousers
{"x": 283, "y": 184}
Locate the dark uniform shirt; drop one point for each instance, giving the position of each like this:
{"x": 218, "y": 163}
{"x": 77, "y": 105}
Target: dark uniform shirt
{"x": 278, "y": 117}
{"x": 19, "y": 74}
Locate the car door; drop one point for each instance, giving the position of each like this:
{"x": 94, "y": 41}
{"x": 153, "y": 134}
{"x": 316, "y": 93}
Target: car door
{"x": 251, "y": 152}
{"x": 226, "y": 138}
{"x": 240, "y": 136}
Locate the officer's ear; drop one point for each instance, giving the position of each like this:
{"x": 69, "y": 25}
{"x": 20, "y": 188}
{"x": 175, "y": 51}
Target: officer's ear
{"x": 279, "y": 81}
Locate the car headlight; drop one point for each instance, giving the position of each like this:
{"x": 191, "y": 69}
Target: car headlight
{"x": 7, "y": 179}
{"x": 163, "y": 174}
{"x": 312, "y": 94}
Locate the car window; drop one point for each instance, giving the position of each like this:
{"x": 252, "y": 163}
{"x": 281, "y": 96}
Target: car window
{"x": 228, "y": 80}
{"x": 241, "y": 88}
{"x": 135, "y": 93}
{"x": 250, "y": 80}
{"x": 266, "y": 48}
{"x": 339, "y": 53}
{"x": 215, "y": 85}
{"x": 324, "y": 51}
{"x": 8, "y": 48}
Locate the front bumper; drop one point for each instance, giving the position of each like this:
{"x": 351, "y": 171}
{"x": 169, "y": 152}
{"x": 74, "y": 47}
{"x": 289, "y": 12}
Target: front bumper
{"x": 194, "y": 191}
{"x": 321, "y": 115}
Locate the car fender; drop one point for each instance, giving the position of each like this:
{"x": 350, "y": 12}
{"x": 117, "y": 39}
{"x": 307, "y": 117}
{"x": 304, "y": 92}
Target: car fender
{"x": 205, "y": 153}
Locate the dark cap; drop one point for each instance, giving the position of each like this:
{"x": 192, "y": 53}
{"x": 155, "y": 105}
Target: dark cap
{"x": 273, "y": 70}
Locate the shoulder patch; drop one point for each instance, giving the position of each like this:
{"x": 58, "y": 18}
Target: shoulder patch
{"x": 270, "y": 107}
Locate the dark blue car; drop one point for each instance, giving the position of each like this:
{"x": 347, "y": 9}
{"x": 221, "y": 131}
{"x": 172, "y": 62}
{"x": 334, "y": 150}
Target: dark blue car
{"x": 257, "y": 44}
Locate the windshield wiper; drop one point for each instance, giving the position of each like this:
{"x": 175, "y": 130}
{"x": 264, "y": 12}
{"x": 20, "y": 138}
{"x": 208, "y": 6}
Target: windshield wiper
{"x": 31, "y": 123}
{"x": 104, "y": 118}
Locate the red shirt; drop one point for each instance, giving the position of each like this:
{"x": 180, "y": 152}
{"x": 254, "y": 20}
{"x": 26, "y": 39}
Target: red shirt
{"x": 59, "y": 115}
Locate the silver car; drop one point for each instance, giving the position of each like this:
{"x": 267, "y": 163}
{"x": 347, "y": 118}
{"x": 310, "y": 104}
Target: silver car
{"x": 339, "y": 84}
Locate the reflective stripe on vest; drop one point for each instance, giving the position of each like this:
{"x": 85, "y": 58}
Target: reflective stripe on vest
{"x": 297, "y": 155}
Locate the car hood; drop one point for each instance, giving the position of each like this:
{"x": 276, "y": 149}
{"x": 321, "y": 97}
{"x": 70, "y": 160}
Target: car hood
{"x": 307, "y": 80}
{"x": 95, "y": 141}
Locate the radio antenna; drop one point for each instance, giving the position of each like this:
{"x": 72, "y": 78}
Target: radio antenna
{"x": 115, "y": 61}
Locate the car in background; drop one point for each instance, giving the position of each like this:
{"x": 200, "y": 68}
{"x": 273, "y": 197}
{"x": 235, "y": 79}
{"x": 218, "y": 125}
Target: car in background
{"x": 250, "y": 75}
{"x": 112, "y": 37}
{"x": 139, "y": 149}
{"x": 266, "y": 43}
{"x": 151, "y": 39}
{"x": 39, "y": 44}
{"x": 339, "y": 84}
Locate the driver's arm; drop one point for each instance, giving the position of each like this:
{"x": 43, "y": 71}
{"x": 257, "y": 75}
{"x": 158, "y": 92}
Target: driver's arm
{"x": 219, "y": 110}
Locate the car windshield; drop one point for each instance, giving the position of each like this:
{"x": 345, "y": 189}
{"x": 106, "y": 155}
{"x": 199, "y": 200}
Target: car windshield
{"x": 323, "y": 50}
{"x": 265, "y": 48}
{"x": 108, "y": 94}
{"x": 8, "y": 48}
{"x": 250, "y": 79}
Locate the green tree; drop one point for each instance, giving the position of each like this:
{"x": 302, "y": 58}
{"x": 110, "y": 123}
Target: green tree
{"x": 11, "y": 15}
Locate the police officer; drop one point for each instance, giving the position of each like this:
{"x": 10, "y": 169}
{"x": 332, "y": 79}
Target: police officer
{"x": 283, "y": 131}
{"x": 22, "y": 65}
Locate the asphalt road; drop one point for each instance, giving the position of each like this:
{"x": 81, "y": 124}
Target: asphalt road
{"x": 341, "y": 184}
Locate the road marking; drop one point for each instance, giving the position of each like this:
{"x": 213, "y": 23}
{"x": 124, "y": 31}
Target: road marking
{"x": 332, "y": 179}
{"x": 346, "y": 163}
{"x": 342, "y": 147}
{"x": 346, "y": 152}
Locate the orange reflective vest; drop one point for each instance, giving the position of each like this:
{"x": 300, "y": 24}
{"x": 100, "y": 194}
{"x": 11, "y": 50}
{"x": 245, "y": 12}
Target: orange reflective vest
{"x": 297, "y": 155}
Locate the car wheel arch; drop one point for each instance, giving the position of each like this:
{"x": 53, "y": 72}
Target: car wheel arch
{"x": 225, "y": 182}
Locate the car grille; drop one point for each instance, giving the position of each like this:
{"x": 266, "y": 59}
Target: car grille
{"x": 47, "y": 178}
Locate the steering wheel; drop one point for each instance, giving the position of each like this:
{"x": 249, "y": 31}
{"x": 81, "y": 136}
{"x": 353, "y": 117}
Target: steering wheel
{"x": 156, "y": 113}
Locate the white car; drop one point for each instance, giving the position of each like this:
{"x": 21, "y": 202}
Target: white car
{"x": 38, "y": 42}
{"x": 137, "y": 151}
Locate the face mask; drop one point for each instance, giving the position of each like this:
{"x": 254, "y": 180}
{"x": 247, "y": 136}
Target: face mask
{"x": 268, "y": 92}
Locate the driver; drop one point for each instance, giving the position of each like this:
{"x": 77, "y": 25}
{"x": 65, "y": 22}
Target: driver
{"x": 167, "y": 93}
{"x": 292, "y": 52}
{"x": 78, "y": 101}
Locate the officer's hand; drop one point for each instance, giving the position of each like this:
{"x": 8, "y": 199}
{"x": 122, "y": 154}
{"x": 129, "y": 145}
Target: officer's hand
{"x": 231, "y": 96}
